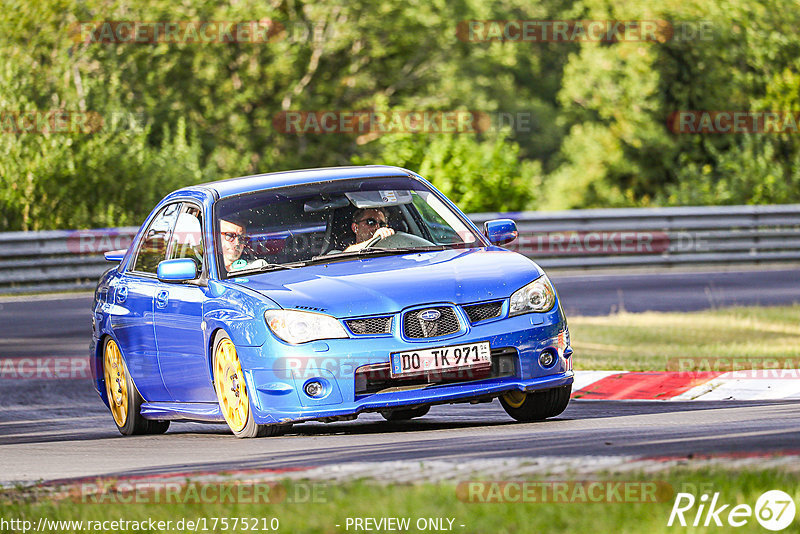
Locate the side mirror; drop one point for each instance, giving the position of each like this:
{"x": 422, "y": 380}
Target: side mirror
{"x": 500, "y": 231}
{"x": 178, "y": 270}
{"x": 115, "y": 255}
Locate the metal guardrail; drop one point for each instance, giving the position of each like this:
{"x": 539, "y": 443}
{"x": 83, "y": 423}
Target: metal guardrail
{"x": 704, "y": 235}
{"x": 57, "y": 260}
{"x": 576, "y": 239}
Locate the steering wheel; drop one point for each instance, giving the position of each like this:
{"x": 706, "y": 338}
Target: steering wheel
{"x": 372, "y": 241}
{"x": 398, "y": 240}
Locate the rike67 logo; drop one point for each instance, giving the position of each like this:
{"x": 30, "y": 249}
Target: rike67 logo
{"x": 774, "y": 510}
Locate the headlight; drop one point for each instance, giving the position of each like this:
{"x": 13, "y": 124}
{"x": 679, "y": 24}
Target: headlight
{"x": 299, "y": 326}
{"x": 538, "y": 296}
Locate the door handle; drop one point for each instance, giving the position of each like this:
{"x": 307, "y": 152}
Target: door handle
{"x": 161, "y": 298}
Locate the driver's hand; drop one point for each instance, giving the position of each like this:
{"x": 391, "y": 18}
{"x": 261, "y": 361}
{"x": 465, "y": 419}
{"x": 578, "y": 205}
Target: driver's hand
{"x": 383, "y": 233}
{"x": 380, "y": 232}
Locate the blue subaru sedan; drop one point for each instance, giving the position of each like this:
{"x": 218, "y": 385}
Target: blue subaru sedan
{"x": 316, "y": 295}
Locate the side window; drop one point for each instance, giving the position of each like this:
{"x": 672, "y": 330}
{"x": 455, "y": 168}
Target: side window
{"x": 440, "y": 230}
{"x": 187, "y": 238}
{"x": 153, "y": 247}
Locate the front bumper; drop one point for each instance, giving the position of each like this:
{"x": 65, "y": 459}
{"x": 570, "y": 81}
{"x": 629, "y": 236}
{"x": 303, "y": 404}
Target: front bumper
{"x": 276, "y": 372}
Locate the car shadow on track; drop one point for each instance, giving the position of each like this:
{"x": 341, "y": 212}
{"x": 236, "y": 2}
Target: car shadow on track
{"x": 451, "y": 418}
{"x": 79, "y": 428}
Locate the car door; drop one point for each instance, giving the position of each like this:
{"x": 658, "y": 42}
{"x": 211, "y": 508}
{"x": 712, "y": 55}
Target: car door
{"x": 178, "y": 310}
{"x": 134, "y": 292}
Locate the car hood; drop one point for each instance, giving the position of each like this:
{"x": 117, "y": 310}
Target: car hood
{"x": 387, "y": 284}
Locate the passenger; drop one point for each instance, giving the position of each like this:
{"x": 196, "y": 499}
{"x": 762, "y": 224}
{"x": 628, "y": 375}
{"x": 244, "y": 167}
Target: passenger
{"x": 232, "y": 237}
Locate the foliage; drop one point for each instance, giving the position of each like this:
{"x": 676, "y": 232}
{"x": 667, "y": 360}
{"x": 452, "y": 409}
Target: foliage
{"x": 616, "y": 100}
{"x": 481, "y": 174}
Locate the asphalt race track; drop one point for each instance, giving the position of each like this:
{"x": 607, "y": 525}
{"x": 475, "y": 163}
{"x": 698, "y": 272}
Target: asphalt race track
{"x": 64, "y": 432}
{"x": 53, "y": 429}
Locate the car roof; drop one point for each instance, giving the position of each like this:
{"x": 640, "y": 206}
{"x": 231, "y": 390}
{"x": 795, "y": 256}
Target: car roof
{"x": 245, "y": 184}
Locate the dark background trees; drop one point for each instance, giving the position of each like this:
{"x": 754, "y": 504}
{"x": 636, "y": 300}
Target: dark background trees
{"x": 180, "y": 113}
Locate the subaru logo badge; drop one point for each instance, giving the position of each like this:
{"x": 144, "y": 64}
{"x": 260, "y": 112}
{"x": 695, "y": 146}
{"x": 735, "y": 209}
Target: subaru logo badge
{"x": 430, "y": 315}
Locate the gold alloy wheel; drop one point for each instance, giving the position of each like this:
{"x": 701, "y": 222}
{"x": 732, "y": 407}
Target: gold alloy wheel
{"x": 116, "y": 383}
{"x": 515, "y": 398}
{"x": 231, "y": 390}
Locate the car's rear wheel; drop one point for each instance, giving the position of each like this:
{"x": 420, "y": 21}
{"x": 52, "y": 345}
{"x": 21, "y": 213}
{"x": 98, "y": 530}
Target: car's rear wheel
{"x": 123, "y": 397}
{"x": 536, "y": 406}
{"x": 405, "y": 414}
{"x": 232, "y": 394}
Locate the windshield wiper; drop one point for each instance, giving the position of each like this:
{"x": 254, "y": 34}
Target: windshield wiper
{"x": 265, "y": 267}
{"x": 351, "y": 254}
{"x": 424, "y": 248}
{"x": 374, "y": 252}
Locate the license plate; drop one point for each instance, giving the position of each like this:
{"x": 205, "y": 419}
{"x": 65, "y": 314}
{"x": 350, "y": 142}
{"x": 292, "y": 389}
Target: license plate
{"x": 441, "y": 358}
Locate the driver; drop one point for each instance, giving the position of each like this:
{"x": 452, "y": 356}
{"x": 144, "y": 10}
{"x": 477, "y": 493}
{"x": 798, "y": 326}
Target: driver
{"x": 368, "y": 223}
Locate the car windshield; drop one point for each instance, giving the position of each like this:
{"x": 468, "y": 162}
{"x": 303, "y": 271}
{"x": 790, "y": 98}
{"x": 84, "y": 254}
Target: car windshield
{"x": 292, "y": 226}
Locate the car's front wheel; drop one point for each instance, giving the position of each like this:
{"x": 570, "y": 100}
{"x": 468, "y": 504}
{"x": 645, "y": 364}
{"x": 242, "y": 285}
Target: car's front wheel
{"x": 536, "y": 406}
{"x": 232, "y": 395}
{"x": 123, "y": 397}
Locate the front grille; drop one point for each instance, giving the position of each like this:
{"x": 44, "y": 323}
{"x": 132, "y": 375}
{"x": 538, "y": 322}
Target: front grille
{"x": 414, "y": 327}
{"x": 377, "y": 377}
{"x": 370, "y": 326}
{"x": 483, "y": 311}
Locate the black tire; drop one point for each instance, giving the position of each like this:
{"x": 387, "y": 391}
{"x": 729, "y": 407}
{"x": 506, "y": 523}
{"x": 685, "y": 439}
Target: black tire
{"x": 134, "y": 423}
{"x": 536, "y": 406}
{"x": 250, "y": 428}
{"x": 405, "y": 414}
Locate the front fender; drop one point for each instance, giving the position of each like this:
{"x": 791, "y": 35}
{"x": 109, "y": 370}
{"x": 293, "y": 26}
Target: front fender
{"x": 237, "y": 311}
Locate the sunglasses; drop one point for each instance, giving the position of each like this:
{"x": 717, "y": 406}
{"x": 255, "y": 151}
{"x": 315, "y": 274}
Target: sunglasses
{"x": 232, "y": 237}
{"x": 373, "y": 222}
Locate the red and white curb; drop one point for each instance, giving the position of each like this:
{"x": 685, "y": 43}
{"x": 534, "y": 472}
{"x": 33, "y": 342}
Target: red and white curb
{"x": 771, "y": 384}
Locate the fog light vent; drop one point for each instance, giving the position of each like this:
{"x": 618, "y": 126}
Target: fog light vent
{"x": 314, "y": 389}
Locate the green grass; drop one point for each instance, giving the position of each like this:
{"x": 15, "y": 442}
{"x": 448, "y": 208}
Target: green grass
{"x": 362, "y": 499}
{"x": 647, "y": 341}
